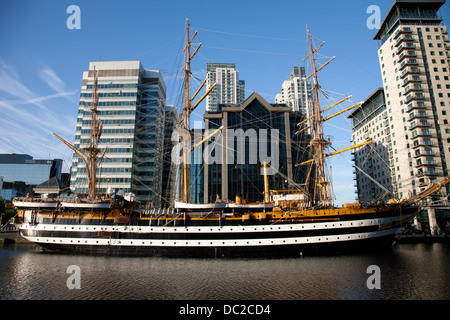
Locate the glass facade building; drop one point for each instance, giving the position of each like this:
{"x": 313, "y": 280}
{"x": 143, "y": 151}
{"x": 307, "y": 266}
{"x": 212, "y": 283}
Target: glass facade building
{"x": 132, "y": 109}
{"x": 22, "y": 167}
{"x": 21, "y": 173}
{"x": 247, "y": 139}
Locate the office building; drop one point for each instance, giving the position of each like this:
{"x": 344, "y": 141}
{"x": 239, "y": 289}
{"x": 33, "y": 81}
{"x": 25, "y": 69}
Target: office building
{"x": 196, "y": 183}
{"x": 296, "y": 92}
{"x": 132, "y": 109}
{"x": 169, "y": 168}
{"x": 236, "y": 154}
{"x": 21, "y": 173}
{"x": 414, "y": 132}
{"x": 228, "y": 90}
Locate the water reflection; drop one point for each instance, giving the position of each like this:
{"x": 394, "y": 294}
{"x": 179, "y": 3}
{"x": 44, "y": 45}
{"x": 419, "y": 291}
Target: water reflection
{"x": 407, "y": 272}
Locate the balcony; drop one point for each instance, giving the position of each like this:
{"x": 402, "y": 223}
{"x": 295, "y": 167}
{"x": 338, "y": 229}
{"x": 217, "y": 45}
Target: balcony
{"x": 418, "y": 115}
{"x": 404, "y": 38}
{"x": 412, "y": 70}
{"x": 408, "y": 63}
{"x": 422, "y": 143}
{"x": 423, "y": 153}
{"x": 402, "y": 31}
{"x": 416, "y": 106}
{"x": 411, "y": 79}
{"x": 409, "y": 54}
{"x": 404, "y": 46}
{"x": 421, "y": 133}
{"x": 422, "y": 173}
{"x": 416, "y": 87}
{"x": 412, "y": 97}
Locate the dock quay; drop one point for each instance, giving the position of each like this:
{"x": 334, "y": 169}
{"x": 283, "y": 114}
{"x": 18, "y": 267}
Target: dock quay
{"x": 423, "y": 238}
{"x": 11, "y": 237}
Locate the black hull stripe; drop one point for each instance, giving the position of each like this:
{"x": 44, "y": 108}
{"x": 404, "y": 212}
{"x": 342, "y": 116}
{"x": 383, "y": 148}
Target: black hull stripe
{"x": 364, "y": 245}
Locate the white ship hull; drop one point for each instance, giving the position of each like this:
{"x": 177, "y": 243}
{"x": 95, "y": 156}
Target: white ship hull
{"x": 213, "y": 241}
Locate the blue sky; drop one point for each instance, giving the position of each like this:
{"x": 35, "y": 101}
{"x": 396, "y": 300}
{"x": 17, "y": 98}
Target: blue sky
{"x": 41, "y": 60}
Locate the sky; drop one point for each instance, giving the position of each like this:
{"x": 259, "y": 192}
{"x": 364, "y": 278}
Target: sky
{"x": 42, "y": 60}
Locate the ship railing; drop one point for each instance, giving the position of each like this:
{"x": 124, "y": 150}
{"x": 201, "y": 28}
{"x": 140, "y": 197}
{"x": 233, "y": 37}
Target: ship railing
{"x": 158, "y": 212}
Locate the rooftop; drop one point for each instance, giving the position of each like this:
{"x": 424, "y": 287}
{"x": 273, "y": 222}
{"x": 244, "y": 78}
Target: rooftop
{"x": 394, "y": 11}
{"x": 374, "y": 94}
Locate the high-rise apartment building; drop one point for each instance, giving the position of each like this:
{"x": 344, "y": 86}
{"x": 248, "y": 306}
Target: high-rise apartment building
{"x": 132, "y": 109}
{"x": 228, "y": 90}
{"x": 411, "y": 127}
{"x": 295, "y": 92}
{"x": 371, "y": 121}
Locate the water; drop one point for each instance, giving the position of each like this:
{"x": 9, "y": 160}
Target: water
{"x": 408, "y": 271}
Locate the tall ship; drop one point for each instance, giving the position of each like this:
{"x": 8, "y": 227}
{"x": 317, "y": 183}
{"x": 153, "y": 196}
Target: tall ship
{"x": 287, "y": 222}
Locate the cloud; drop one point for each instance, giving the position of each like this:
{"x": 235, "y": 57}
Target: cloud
{"x": 27, "y": 120}
{"x": 51, "y": 79}
{"x": 44, "y": 98}
{"x": 10, "y": 82}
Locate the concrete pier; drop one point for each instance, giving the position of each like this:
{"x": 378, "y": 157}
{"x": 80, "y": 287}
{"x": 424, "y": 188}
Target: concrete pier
{"x": 421, "y": 238}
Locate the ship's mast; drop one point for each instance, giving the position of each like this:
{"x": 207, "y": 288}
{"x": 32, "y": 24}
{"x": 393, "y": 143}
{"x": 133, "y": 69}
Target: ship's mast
{"x": 186, "y": 114}
{"x": 93, "y": 150}
{"x": 321, "y": 187}
{"x": 184, "y": 122}
{"x": 321, "y": 192}
{"x": 91, "y": 157}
